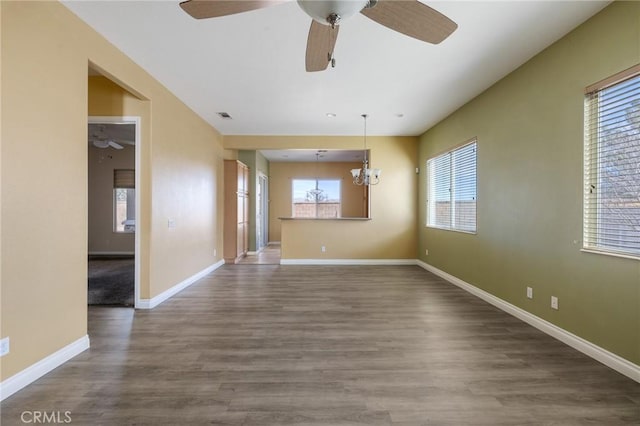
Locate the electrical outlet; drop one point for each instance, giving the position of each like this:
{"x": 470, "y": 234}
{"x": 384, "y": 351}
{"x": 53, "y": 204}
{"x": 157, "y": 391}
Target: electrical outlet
{"x": 554, "y": 302}
{"x": 171, "y": 223}
{"x": 4, "y": 346}
{"x": 323, "y": 249}
{"x": 529, "y": 293}
{"x": 426, "y": 252}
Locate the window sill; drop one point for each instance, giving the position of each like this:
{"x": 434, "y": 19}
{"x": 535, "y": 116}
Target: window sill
{"x": 324, "y": 218}
{"x": 452, "y": 230}
{"x": 609, "y": 253}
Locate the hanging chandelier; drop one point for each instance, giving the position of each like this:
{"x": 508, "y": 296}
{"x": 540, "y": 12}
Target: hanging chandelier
{"x": 316, "y": 194}
{"x": 365, "y": 175}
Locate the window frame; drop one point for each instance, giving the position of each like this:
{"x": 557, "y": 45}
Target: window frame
{"x": 592, "y": 216}
{"x": 123, "y": 179}
{"x": 293, "y": 203}
{"x": 450, "y": 152}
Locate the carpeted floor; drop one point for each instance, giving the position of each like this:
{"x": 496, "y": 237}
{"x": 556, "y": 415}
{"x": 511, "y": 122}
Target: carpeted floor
{"x": 111, "y": 281}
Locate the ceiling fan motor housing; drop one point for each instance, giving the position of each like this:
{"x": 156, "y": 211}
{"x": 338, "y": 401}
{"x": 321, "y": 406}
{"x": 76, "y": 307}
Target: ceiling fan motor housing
{"x": 326, "y": 11}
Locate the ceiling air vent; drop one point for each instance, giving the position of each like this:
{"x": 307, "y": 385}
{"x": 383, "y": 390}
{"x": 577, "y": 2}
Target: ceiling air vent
{"x": 224, "y": 115}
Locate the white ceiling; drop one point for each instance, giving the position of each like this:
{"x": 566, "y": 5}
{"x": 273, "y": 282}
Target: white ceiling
{"x": 251, "y": 65}
{"x": 309, "y": 155}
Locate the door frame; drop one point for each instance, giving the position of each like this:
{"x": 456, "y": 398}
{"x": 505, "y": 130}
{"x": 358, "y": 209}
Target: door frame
{"x": 263, "y": 223}
{"x": 135, "y": 120}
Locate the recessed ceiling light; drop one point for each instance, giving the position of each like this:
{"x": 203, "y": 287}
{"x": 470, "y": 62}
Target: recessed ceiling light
{"x": 331, "y": 114}
{"x": 224, "y": 115}
{"x": 399, "y": 115}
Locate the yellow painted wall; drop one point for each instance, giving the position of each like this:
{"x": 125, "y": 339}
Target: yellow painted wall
{"x": 392, "y": 231}
{"x": 530, "y": 185}
{"x": 2, "y": 332}
{"x": 45, "y": 55}
{"x": 280, "y": 187}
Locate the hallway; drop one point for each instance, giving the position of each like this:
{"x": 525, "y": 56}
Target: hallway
{"x": 270, "y": 255}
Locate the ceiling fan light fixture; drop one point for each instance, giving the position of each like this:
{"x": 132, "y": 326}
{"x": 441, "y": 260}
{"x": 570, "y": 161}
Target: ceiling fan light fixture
{"x": 330, "y": 12}
{"x": 410, "y": 17}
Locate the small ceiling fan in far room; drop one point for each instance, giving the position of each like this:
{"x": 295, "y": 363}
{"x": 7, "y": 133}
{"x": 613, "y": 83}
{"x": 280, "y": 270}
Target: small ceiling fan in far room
{"x": 409, "y": 17}
{"x": 100, "y": 139}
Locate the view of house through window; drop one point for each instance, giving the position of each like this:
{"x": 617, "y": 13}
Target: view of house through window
{"x": 318, "y": 198}
{"x": 612, "y": 171}
{"x": 124, "y": 201}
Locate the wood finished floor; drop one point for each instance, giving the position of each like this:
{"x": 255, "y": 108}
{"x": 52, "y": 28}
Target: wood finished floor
{"x": 270, "y": 255}
{"x": 307, "y": 345}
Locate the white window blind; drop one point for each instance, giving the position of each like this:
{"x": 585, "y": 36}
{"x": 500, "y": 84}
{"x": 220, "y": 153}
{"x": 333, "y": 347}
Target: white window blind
{"x": 612, "y": 166}
{"x": 451, "y": 189}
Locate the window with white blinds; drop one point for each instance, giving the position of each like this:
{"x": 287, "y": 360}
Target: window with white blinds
{"x": 612, "y": 165}
{"x": 124, "y": 200}
{"x": 451, "y": 189}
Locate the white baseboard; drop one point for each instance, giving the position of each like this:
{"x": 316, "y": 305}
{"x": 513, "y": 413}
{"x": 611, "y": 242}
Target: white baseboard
{"x": 602, "y": 355}
{"x": 273, "y": 243}
{"x": 155, "y": 301}
{"x": 32, "y": 373}
{"x": 253, "y": 253}
{"x": 111, "y": 253}
{"x": 347, "y": 261}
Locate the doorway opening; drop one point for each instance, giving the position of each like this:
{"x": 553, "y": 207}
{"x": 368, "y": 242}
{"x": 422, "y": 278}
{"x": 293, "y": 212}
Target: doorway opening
{"x": 262, "y": 212}
{"x": 266, "y": 253}
{"x": 113, "y": 213}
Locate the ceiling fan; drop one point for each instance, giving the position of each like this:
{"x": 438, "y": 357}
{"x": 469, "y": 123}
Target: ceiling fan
{"x": 100, "y": 139}
{"x": 409, "y": 17}
{"x": 106, "y": 144}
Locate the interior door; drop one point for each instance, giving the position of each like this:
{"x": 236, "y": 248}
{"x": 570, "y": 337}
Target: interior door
{"x": 262, "y": 217}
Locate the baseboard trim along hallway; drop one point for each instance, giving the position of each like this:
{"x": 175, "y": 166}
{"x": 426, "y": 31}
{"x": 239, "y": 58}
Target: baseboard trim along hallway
{"x": 30, "y": 374}
{"x": 155, "y": 301}
{"x": 391, "y": 262}
{"x": 602, "y": 355}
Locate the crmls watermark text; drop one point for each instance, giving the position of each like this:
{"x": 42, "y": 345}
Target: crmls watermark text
{"x": 44, "y": 417}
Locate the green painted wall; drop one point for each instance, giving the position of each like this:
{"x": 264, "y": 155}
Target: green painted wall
{"x": 262, "y": 164}
{"x": 530, "y": 145}
{"x": 257, "y": 163}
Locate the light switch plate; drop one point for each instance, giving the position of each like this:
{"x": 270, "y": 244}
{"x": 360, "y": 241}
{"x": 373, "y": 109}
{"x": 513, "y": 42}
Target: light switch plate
{"x": 4, "y": 346}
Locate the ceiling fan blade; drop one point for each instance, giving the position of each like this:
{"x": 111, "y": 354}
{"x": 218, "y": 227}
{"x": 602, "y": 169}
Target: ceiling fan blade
{"x": 124, "y": 142}
{"x": 115, "y": 145}
{"x": 201, "y": 9}
{"x": 412, "y": 18}
{"x": 320, "y": 44}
